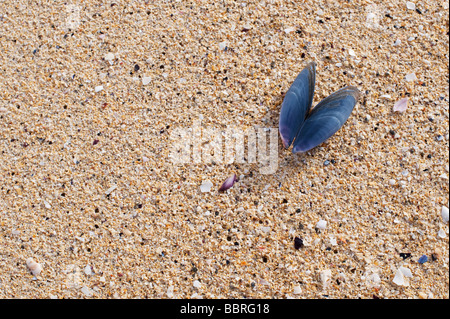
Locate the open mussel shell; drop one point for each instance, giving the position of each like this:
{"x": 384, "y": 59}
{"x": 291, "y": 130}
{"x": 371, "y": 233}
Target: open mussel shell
{"x": 296, "y": 104}
{"x": 326, "y": 119}
{"x": 307, "y": 128}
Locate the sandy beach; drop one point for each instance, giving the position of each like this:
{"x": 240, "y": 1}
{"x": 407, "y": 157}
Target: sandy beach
{"x": 96, "y": 200}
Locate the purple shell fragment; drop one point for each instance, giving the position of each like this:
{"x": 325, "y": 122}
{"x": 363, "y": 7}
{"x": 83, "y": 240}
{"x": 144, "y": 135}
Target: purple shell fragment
{"x": 229, "y": 182}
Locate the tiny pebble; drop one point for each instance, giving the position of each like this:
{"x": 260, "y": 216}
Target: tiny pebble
{"x": 197, "y": 284}
{"x": 423, "y": 259}
{"x": 298, "y": 243}
{"x": 98, "y": 88}
{"x": 351, "y": 52}
{"x": 326, "y": 163}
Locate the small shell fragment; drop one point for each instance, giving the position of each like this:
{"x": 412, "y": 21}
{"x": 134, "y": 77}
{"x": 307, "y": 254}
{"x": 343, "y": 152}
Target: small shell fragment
{"x": 405, "y": 271}
{"x": 146, "y": 80}
{"x": 321, "y": 224}
{"x": 399, "y": 279}
{"x": 401, "y": 105}
{"x": 109, "y": 56}
{"x": 229, "y": 182}
{"x": 325, "y": 277}
{"x": 411, "y": 5}
{"x": 444, "y": 214}
{"x": 410, "y": 77}
{"x": 110, "y": 190}
{"x": 289, "y": 30}
{"x": 222, "y": 45}
{"x": 170, "y": 291}
{"x": 206, "y": 186}
{"x": 34, "y": 267}
{"x": 87, "y": 291}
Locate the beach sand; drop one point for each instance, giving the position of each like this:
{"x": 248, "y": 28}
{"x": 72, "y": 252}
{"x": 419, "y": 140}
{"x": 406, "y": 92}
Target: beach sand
{"x": 91, "y": 95}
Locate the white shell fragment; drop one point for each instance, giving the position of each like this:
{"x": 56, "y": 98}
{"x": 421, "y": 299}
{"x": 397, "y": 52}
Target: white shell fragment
{"x": 297, "y": 290}
{"x": 206, "y": 186}
{"x": 411, "y": 5}
{"x": 110, "y": 190}
{"x": 87, "y": 291}
{"x": 400, "y": 274}
{"x": 399, "y": 279}
{"x": 98, "y": 88}
{"x": 146, "y": 80}
{"x": 47, "y": 204}
{"x": 222, "y": 45}
{"x": 410, "y": 77}
{"x": 289, "y": 30}
{"x": 88, "y": 270}
{"x": 34, "y": 267}
{"x": 401, "y": 105}
{"x": 321, "y": 224}
{"x": 444, "y": 214}
{"x": 325, "y": 277}
{"x": 406, "y": 272}
{"x": 170, "y": 292}
{"x": 109, "y": 56}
